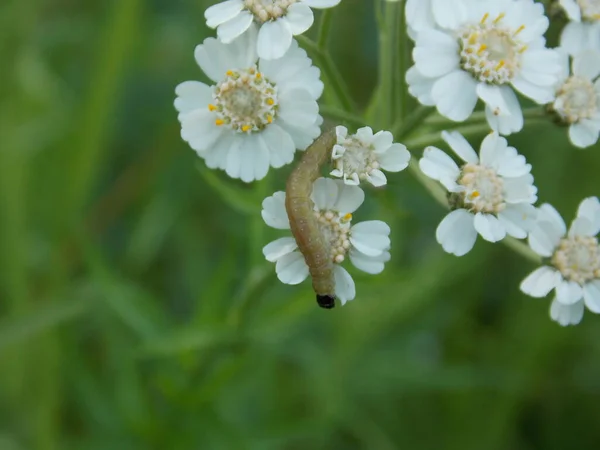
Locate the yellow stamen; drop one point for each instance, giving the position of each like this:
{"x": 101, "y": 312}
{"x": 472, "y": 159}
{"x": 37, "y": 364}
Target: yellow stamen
{"x": 219, "y": 122}
{"x": 211, "y": 107}
{"x": 347, "y": 218}
{"x": 229, "y": 73}
{"x": 270, "y": 119}
{"x": 485, "y": 17}
{"x": 258, "y": 75}
{"x": 473, "y": 39}
{"x": 521, "y": 28}
{"x": 246, "y": 128}
{"x": 500, "y": 65}
{"x": 523, "y": 50}
{"x": 499, "y": 18}
{"x": 270, "y": 102}
{"x": 475, "y": 194}
{"x": 482, "y": 48}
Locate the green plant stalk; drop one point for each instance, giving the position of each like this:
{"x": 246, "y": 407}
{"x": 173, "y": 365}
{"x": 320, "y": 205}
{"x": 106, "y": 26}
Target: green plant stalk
{"x": 331, "y": 73}
{"x": 324, "y": 28}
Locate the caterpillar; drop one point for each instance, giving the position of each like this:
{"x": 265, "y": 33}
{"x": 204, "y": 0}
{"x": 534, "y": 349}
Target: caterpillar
{"x": 304, "y": 225}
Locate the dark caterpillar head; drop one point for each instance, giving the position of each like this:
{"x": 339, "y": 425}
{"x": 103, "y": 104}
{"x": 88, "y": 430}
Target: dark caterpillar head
{"x": 326, "y": 301}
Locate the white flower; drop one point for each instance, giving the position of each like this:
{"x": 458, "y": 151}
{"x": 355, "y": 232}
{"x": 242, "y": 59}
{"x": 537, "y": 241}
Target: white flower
{"x": 366, "y": 243}
{"x": 278, "y": 20}
{"x": 491, "y": 194}
{"x": 583, "y": 31}
{"x": 572, "y": 258}
{"x": 577, "y": 100}
{"x": 484, "y": 50}
{"x": 360, "y": 156}
{"x": 256, "y": 114}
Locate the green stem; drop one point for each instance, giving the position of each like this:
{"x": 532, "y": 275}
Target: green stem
{"x": 403, "y": 63}
{"x": 479, "y": 116}
{"x": 330, "y": 72}
{"x": 387, "y": 56}
{"x": 404, "y": 128}
{"x": 339, "y": 114}
{"x": 433, "y": 138}
{"x": 324, "y": 28}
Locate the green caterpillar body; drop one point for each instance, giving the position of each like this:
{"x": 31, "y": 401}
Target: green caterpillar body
{"x": 303, "y": 223}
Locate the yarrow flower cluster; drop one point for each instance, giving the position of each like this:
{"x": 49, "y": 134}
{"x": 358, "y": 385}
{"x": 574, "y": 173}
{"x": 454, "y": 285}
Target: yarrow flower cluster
{"x": 366, "y": 244}
{"x": 360, "y": 157}
{"x": 256, "y": 114}
{"x": 278, "y": 21}
{"x": 583, "y": 30}
{"x": 261, "y": 106}
{"x": 491, "y": 194}
{"x": 572, "y": 258}
{"x": 577, "y": 101}
{"x": 481, "y": 50}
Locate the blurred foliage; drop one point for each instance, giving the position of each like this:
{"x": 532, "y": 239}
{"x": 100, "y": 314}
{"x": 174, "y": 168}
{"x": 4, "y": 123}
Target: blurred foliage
{"x": 137, "y": 312}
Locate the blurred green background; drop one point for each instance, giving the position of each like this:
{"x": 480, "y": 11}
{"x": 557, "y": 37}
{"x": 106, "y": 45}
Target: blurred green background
{"x": 137, "y": 312}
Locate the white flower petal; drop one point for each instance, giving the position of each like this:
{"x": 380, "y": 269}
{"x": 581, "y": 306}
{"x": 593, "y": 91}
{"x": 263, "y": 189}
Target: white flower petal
{"x": 345, "y": 290}
{"x": 489, "y": 227}
{"x": 461, "y": 146}
{"x": 274, "y": 39}
{"x": 584, "y": 133}
{"x": 321, "y": 3}
{"x": 436, "y": 53}
{"x": 199, "y": 130}
{"x": 419, "y": 86}
{"x": 299, "y": 17}
{"x": 438, "y": 165}
{"x": 492, "y": 96}
{"x": 591, "y": 295}
{"x": 581, "y": 226}
{"x": 235, "y": 27}
{"x": 395, "y": 158}
{"x": 456, "y": 232}
{"x": 587, "y": 64}
{"x": 590, "y": 209}
{"x": 566, "y": 314}
{"x": 280, "y": 144}
{"x": 371, "y": 237}
{"x": 454, "y": 95}
{"x": 369, "y": 264}
{"x": 217, "y": 14}
{"x": 572, "y": 9}
{"x": 291, "y": 268}
{"x": 325, "y": 193}
{"x": 349, "y": 198}
{"x": 511, "y": 122}
{"x": 518, "y": 219}
{"x": 279, "y": 248}
{"x": 540, "y": 282}
{"x": 568, "y": 292}
{"x": 274, "y": 213}
{"x": 549, "y": 214}
{"x": 377, "y": 178}
{"x": 543, "y": 238}
{"x": 192, "y": 95}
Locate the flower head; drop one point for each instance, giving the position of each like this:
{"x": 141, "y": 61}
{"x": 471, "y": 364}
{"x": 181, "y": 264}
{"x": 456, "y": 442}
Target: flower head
{"x": 577, "y": 100}
{"x": 361, "y": 156}
{"x": 366, "y": 244}
{"x": 583, "y": 31}
{"x": 278, "y": 20}
{"x": 572, "y": 261}
{"x": 484, "y": 50}
{"x": 490, "y": 194}
{"x": 256, "y": 114}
